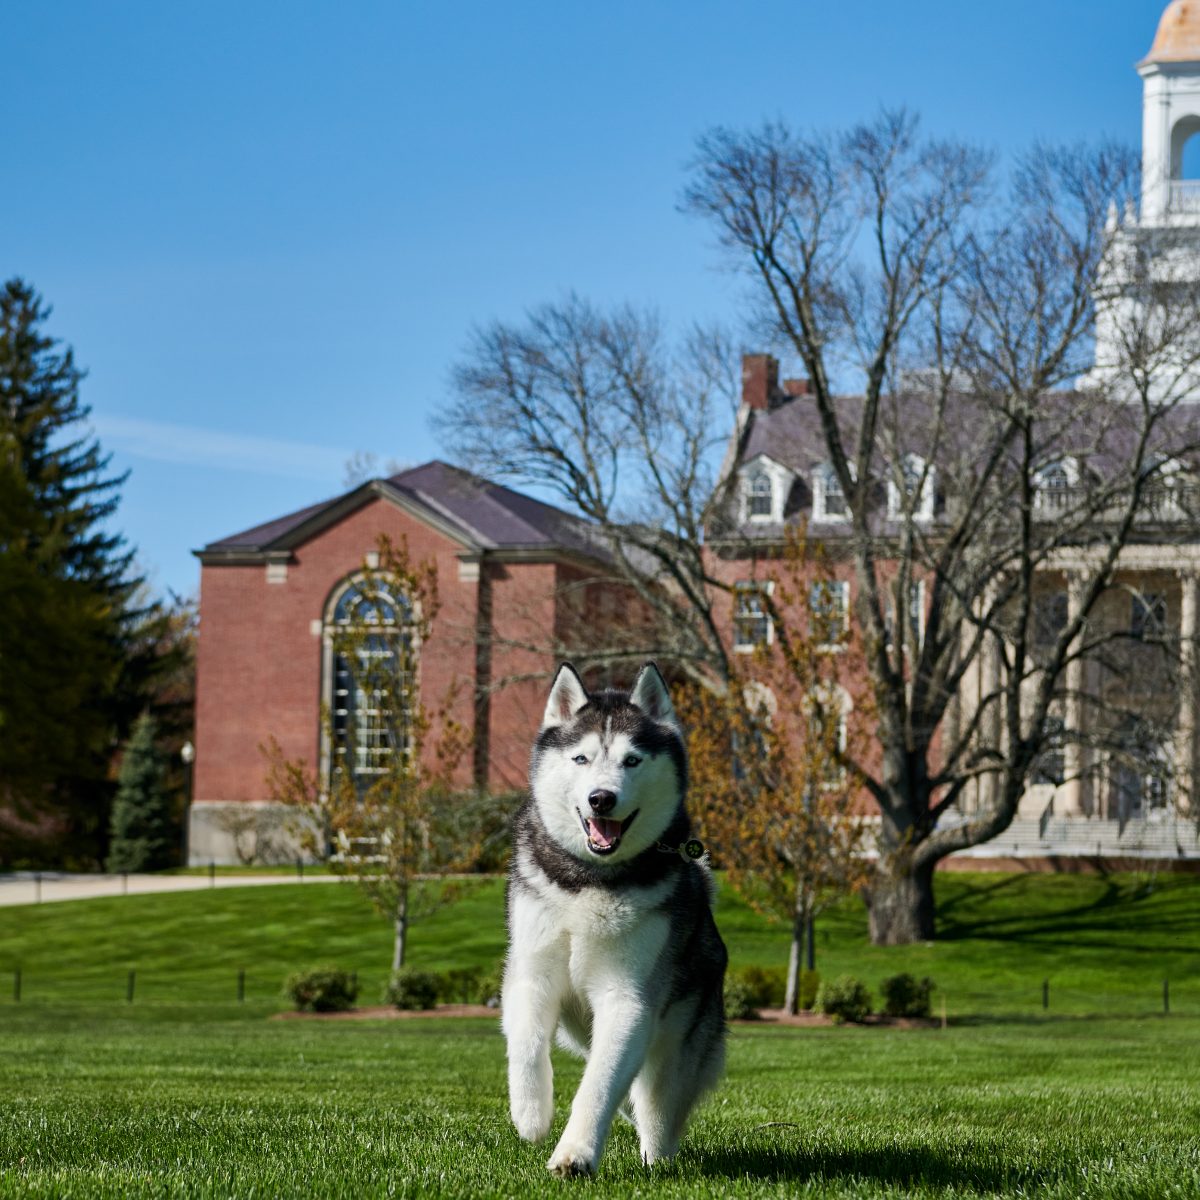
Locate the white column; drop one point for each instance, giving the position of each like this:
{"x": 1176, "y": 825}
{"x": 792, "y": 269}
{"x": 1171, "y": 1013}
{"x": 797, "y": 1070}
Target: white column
{"x": 1074, "y": 712}
{"x": 1185, "y": 741}
{"x": 990, "y": 727}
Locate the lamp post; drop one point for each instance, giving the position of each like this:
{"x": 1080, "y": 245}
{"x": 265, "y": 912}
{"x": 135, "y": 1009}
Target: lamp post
{"x": 187, "y": 755}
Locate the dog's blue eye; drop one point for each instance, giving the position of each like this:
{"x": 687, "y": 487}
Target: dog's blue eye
{"x": 581, "y": 759}
{"x": 632, "y": 760}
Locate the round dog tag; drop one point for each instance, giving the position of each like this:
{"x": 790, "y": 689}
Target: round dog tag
{"x": 693, "y": 848}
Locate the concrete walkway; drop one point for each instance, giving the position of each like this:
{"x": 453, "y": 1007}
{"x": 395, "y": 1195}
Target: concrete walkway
{"x": 31, "y": 887}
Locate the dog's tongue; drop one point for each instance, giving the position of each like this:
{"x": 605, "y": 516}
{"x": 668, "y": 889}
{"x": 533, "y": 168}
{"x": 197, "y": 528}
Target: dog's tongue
{"x": 603, "y": 831}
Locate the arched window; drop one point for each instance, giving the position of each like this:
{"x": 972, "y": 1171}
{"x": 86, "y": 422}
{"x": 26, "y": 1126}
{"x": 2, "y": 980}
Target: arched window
{"x": 917, "y": 478}
{"x": 1054, "y": 486}
{"x": 760, "y": 499}
{"x": 372, "y": 673}
{"x": 829, "y": 501}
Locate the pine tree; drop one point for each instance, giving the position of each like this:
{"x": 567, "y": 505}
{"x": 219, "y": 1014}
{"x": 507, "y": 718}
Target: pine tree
{"x": 142, "y": 835}
{"x": 74, "y": 664}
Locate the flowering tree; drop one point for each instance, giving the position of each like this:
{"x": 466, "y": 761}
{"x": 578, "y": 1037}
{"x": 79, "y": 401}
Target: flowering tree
{"x": 773, "y": 759}
{"x": 380, "y": 807}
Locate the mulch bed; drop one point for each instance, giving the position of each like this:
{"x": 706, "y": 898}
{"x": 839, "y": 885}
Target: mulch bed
{"x": 768, "y": 1016}
{"x": 776, "y": 1016}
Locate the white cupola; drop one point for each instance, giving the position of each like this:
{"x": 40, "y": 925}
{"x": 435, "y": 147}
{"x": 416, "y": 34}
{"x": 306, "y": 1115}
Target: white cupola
{"x": 1161, "y": 243}
{"x": 1171, "y": 116}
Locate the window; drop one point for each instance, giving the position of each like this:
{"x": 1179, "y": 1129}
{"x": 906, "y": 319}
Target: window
{"x": 829, "y": 610}
{"x": 916, "y": 477}
{"x": 1147, "y": 616}
{"x": 828, "y": 718}
{"x": 916, "y": 613}
{"x": 829, "y": 501}
{"x": 371, "y": 679}
{"x": 1049, "y": 618}
{"x": 1054, "y": 487}
{"x": 760, "y": 498}
{"x": 1051, "y": 765}
{"x": 751, "y": 620}
{"x": 1141, "y": 772}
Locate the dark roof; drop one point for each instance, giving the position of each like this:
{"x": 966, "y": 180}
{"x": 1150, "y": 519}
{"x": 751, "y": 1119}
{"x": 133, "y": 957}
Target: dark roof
{"x": 1098, "y": 432}
{"x": 481, "y": 514}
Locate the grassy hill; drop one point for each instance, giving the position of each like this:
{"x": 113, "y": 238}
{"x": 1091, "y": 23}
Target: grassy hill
{"x": 185, "y": 1093}
{"x": 1105, "y": 944}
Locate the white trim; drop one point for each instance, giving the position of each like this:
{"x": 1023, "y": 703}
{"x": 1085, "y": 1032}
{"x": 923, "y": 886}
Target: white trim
{"x": 780, "y": 479}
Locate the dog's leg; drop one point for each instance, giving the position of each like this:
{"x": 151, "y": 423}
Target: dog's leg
{"x": 657, "y": 1103}
{"x": 534, "y": 982}
{"x": 620, "y": 1032}
{"x": 679, "y": 1070}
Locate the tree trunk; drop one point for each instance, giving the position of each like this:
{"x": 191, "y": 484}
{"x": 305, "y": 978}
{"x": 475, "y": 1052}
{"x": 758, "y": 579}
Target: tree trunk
{"x": 400, "y": 932}
{"x": 900, "y": 903}
{"x": 801, "y": 928}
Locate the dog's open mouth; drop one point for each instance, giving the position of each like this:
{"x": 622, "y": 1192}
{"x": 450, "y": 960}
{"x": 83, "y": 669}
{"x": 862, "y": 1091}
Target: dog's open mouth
{"x": 604, "y": 833}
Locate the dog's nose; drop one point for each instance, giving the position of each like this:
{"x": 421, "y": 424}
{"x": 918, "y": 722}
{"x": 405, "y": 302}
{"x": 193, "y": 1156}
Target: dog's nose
{"x": 602, "y": 801}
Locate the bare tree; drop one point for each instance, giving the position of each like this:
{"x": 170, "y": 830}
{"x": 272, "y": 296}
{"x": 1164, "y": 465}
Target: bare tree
{"x": 970, "y": 464}
{"x": 628, "y": 431}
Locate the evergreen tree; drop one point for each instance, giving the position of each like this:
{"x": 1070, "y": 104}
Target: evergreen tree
{"x": 142, "y": 835}
{"x": 75, "y": 661}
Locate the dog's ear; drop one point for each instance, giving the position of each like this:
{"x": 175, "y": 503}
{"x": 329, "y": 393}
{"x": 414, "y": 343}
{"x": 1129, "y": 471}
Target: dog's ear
{"x": 567, "y": 697}
{"x": 650, "y": 694}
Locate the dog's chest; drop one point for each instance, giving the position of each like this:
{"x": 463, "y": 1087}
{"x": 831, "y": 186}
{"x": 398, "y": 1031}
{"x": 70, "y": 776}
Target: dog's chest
{"x": 601, "y": 914}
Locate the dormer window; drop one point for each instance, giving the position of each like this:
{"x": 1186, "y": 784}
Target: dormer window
{"x": 829, "y": 501}
{"x": 1163, "y": 489}
{"x": 917, "y": 477}
{"x": 760, "y": 497}
{"x": 1054, "y": 484}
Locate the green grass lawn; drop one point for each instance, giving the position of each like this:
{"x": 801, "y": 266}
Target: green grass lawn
{"x": 1104, "y": 944}
{"x": 185, "y": 1093}
{"x": 163, "y": 1103}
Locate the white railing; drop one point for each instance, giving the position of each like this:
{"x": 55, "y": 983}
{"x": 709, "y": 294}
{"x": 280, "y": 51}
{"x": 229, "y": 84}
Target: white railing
{"x": 1185, "y": 195}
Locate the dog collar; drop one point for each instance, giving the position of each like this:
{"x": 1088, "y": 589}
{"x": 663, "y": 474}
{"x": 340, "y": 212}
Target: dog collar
{"x": 690, "y": 851}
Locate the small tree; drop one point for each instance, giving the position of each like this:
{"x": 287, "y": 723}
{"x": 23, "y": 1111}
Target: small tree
{"x": 142, "y": 831}
{"x": 773, "y": 760}
{"x": 383, "y": 804}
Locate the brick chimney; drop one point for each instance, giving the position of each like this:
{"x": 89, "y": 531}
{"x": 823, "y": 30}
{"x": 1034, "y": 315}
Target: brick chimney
{"x": 797, "y": 387}
{"x": 760, "y": 380}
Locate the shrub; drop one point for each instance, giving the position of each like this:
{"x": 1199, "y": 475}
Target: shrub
{"x": 322, "y": 989}
{"x": 739, "y": 1002}
{"x": 845, "y": 999}
{"x": 412, "y": 989}
{"x": 461, "y": 985}
{"x": 904, "y": 996}
{"x": 765, "y": 985}
{"x": 490, "y": 985}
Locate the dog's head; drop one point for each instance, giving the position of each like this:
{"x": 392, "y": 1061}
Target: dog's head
{"x": 609, "y": 770}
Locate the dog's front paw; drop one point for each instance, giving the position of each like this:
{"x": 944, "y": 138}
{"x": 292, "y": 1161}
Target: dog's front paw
{"x": 570, "y": 1160}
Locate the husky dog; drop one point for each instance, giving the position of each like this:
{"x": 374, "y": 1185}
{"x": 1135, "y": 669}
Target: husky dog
{"x": 611, "y": 939}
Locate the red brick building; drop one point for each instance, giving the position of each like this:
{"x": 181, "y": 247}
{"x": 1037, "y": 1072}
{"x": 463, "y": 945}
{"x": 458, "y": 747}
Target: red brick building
{"x": 509, "y": 570}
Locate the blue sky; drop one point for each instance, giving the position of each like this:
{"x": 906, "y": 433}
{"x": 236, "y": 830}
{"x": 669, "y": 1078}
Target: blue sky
{"x": 267, "y": 227}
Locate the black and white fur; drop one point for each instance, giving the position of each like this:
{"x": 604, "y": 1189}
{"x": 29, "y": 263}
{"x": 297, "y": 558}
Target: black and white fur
{"x": 612, "y": 943}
